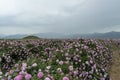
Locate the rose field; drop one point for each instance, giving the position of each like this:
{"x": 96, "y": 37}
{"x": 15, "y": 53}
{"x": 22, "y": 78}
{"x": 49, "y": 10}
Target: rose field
{"x": 56, "y": 59}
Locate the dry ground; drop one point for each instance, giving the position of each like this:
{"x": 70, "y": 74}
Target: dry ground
{"x": 115, "y": 66}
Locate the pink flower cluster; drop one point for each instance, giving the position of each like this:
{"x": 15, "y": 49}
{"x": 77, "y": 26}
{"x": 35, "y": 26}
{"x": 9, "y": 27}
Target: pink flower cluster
{"x": 54, "y": 59}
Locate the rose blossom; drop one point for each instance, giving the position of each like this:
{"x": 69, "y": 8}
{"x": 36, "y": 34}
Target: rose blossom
{"x": 40, "y": 74}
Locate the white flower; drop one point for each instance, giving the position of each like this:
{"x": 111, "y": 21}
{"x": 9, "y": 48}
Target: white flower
{"x": 61, "y": 62}
{"x": 48, "y": 67}
{"x": 11, "y": 71}
{"x": 79, "y": 60}
{"x": 6, "y": 74}
{"x": 47, "y": 78}
{"x": 0, "y": 73}
{"x": 9, "y": 77}
{"x": 57, "y": 60}
{"x": 71, "y": 68}
{"x": 39, "y": 70}
{"x": 59, "y": 69}
{"x": 0, "y": 77}
{"x": 34, "y": 65}
{"x": 87, "y": 62}
{"x": 66, "y": 54}
{"x": 67, "y": 58}
{"x": 105, "y": 75}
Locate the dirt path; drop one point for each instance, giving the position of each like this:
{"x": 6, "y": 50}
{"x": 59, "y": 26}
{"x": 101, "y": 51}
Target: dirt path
{"x": 115, "y": 67}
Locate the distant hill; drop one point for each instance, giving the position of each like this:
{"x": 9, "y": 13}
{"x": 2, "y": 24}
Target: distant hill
{"x": 2, "y": 35}
{"x": 110, "y": 35}
{"x": 17, "y": 36}
{"x": 31, "y": 37}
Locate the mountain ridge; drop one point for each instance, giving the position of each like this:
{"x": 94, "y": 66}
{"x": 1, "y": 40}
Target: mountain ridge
{"x": 110, "y": 35}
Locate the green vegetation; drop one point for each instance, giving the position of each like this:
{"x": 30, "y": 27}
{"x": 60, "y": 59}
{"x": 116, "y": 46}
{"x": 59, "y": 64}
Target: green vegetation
{"x": 31, "y": 37}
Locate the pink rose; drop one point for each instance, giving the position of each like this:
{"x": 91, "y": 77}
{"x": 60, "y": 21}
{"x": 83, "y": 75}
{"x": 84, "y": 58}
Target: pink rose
{"x": 40, "y": 75}
{"x": 18, "y": 77}
{"x": 65, "y": 78}
{"x": 28, "y": 76}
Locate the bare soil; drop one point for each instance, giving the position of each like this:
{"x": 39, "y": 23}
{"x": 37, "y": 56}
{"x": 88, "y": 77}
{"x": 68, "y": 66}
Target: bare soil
{"x": 115, "y": 66}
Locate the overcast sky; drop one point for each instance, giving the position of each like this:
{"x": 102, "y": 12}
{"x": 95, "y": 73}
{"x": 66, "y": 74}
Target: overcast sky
{"x": 59, "y": 16}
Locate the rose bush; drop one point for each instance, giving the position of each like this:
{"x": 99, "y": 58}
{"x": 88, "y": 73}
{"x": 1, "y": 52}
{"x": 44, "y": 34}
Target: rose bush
{"x": 70, "y": 59}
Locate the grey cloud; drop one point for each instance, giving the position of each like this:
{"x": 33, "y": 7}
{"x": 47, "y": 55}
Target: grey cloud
{"x": 85, "y": 17}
